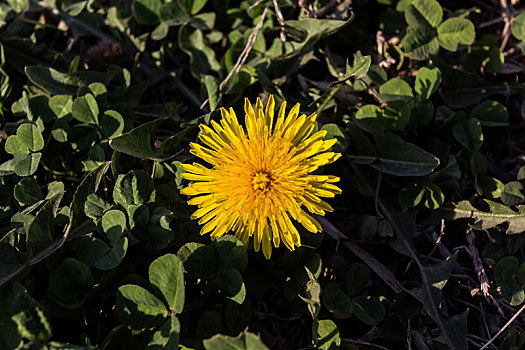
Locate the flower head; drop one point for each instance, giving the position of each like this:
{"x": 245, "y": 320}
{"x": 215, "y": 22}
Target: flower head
{"x": 261, "y": 179}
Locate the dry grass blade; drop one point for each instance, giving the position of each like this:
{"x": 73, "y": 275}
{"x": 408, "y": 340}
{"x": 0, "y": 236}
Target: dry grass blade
{"x": 372, "y": 262}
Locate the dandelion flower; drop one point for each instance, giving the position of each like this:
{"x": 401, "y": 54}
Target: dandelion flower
{"x": 261, "y": 179}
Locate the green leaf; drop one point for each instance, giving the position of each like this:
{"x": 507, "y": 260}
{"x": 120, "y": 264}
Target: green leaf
{"x": 138, "y": 216}
{"x": 356, "y": 278}
{"x": 489, "y": 187}
{"x": 167, "y": 274}
{"x": 360, "y": 67}
{"x": 446, "y": 116}
{"x": 28, "y": 138}
{"x": 374, "y": 225}
{"x": 424, "y": 14}
{"x": 421, "y": 114}
{"x": 478, "y": 164}
{"x": 41, "y": 238}
{"x": 402, "y": 159}
{"x": 421, "y": 44}
{"x": 147, "y": 11}
{"x": 505, "y": 275}
{"x": 334, "y": 131}
{"x": 70, "y": 283}
{"x": 328, "y": 335}
{"x": 82, "y": 137}
{"x": 90, "y": 249}
{"x": 434, "y": 197}
{"x": 491, "y": 113}
{"x": 115, "y": 256}
{"x": 518, "y": 27}
{"x": 455, "y": 32}
{"x": 167, "y": 336}
{"x": 26, "y": 164}
{"x": 231, "y": 252}
{"x": 19, "y": 6}
{"x": 427, "y": 81}
{"x": 137, "y": 142}
{"x": 30, "y": 319}
{"x": 312, "y": 292}
{"x": 57, "y": 83}
{"x": 508, "y": 263}
{"x": 409, "y": 197}
{"x": 336, "y": 301}
{"x": 520, "y": 275}
{"x": 513, "y": 193}
{"x": 85, "y": 109}
{"x": 244, "y": 341}
{"x": 138, "y": 308}
{"x": 202, "y": 57}
{"x": 114, "y": 224}
{"x": 174, "y": 13}
{"x": 134, "y": 188}
{"x": 369, "y": 117}
{"x": 396, "y": 89}
{"x": 112, "y": 124}
{"x": 307, "y": 32}
{"x": 394, "y": 117}
{"x": 497, "y": 215}
{"x": 469, "y": 135}
{"x": 89, "y": 185}
{"x": 212, "y": 87}
{"x": 368, "y": 309}
{"x": 200, "y": 261}
{"x": 27, "y": 191}
{"x": 231, "y": 284}
{"x": 159, "y": 234}
{"x": 196, "y": 6}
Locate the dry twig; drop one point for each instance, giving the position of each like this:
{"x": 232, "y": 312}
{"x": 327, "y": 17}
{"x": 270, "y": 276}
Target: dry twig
{"x": 513, "y": 318}
{"x": 244, "y": 54}
{"x": 478, "y": 264}
{"x": 506, "y": 29}
{"x": 280, "y": 19}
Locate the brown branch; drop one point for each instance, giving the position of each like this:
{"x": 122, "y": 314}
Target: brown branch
{"x": 244, "y": 54}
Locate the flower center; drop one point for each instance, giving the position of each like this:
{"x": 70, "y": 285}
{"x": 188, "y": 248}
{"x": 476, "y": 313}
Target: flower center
{"x": 261, "y": 181}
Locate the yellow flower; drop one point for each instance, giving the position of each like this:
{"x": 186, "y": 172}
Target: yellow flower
{"x": 261, "y": 179}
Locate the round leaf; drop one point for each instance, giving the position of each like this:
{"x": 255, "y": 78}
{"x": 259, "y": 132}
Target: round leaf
{"x": 491, "y": 113}
{"x": 112, "y": 124}
{"x": 396, "y": 89}
{"x": 518, "y": 27}
{"x": 85, "y": 109}
{"x": 147, "y": 11}
{"x": 455, "y": 32}
{"x": 115, "y": 256}
{"x": 368, "y": 309}
{"x": 231, "y": 283}
{"x": 27, "y": 191}
{"x": 357, "y": 278}
{"x": 424, "y": 14}
{"x": 70, "y": 283}
{"x": 114, "y": 224}
{"x": 421, "y": 44}
{"x": 427, "y": 81}
{"x": 513, "y": 193}
{"x": 138, "y": 308}
{"x": 166, "y": 273}
{"x": 333, "y": 131}
{"x": 27, "y": 138}
{"x": 336, "y": 301}
{"x": 135, "y": 187}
